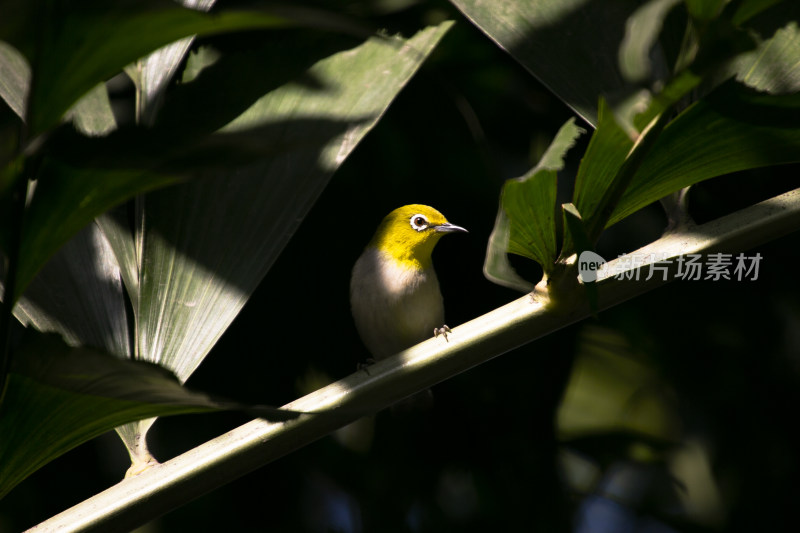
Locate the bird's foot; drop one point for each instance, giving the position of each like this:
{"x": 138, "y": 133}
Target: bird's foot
{"x": 366, "y": 364}
{"x": 444, "y": 330}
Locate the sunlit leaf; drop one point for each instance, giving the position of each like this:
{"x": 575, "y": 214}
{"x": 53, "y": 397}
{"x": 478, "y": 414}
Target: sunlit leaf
{"x": 526, "y": 218}
{"x": 153, "y": 73}
{"x": 677, "y": 88}
{"x": 79, "y": 295}
{"x": 15, "y": 76}
{"x": 496, "y": 266}
{"x": 728, "y": 131}
{"x": 92, "y": 114}
{"x": 68, "y": 198}
{"x": 604, "y": 157}
{"x": 641, "y": 33}
{"x": 117, "y": 227}
{"x": 607, "y": 150}
{"x": 774, "y": 65}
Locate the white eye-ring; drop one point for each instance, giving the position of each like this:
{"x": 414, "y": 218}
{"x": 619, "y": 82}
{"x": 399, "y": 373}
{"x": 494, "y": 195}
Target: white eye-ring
{"x": 419, "y": 222}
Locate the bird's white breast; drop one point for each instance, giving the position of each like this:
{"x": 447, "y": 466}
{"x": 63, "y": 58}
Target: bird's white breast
{"x": 394, "y": 306}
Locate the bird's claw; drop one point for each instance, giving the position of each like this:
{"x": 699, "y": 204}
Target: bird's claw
{"x": 366, "y": 364}
{"x": 444, "y": 330}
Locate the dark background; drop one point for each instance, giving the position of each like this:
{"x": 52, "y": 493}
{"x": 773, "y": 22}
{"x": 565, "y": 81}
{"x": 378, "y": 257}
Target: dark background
{"x": 484, "y": 457}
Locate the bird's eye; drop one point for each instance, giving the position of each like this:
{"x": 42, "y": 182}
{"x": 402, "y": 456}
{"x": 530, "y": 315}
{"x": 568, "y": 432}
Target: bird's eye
{"x": 419, "y": 222}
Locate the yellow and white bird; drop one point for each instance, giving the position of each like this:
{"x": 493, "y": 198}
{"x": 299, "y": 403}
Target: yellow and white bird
{"x": 394, "y": 293}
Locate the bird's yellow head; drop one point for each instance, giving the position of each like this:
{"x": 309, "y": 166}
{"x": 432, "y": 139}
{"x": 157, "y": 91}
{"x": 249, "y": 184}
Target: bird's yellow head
{"x": 409, "y": 233}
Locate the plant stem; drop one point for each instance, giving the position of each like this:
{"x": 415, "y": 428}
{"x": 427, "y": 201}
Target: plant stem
{"x": 137, "y": 500}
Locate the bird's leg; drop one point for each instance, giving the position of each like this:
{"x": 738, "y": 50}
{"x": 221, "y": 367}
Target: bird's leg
{"x": 366, "y": 364}
{"x": 444, "y": 330}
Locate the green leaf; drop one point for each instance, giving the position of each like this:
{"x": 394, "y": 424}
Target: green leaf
{"x": 705, "y": 10}
{"x": 79, "y": 295}
{"x": 153, "y": 73}
{"x": 661, "y": 102}
{"x": 615, "y": 391}
{"x": 732, "y": 129}
{"x": 641, "y": 34}
{"x": 747, "y": 9}
{"x": 197, "y": 61}
{"x": 116, "y": 227}
{"x": 605, "y": 155}
{"x": 496, "y": 266}
{"x": 15, "y": 76}
{"x": 526, "y": 218}
{"x": 92, "y": 114}
{"x": 66, "y": 199}
{"x": 606, "y": 171}
{"x": 774, "y": 65}
{"x": 607, "y": 150}
{"x": 570, "y": 45}
{"x": 573, "y": 223}
{"x": 79, "y": 48}
{"x": 59, "y": 397}
{"x": 612, "y": 195}
{"x": 532, "y": 199}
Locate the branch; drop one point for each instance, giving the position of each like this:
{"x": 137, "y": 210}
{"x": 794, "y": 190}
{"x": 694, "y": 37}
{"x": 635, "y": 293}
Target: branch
{"x": 135, "y": 501}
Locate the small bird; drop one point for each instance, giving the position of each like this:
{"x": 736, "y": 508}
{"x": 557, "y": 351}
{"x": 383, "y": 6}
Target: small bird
{"x": 394, "y": 293}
